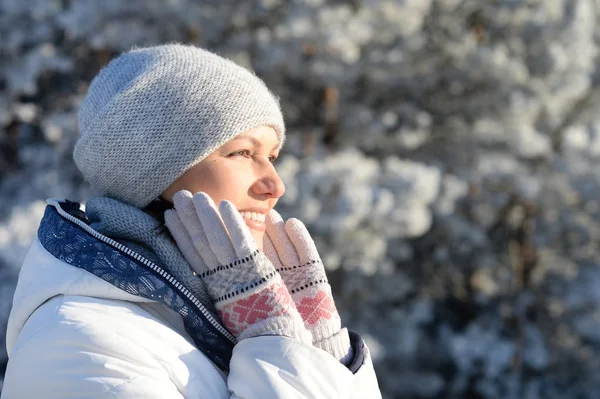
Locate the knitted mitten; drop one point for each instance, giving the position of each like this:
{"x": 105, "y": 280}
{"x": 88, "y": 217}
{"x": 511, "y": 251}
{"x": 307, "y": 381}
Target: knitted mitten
{"x": 294, "y": 253}
{"x": 248, "y": 293}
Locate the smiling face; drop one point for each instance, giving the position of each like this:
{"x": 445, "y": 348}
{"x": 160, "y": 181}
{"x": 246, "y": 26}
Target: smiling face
{"x": 240, "y": 171}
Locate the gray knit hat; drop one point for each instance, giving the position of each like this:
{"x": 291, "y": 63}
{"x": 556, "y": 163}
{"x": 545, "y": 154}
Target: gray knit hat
{"x": 153, "y": 113}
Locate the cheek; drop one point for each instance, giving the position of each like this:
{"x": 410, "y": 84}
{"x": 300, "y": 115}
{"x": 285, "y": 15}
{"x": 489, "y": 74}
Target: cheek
{"x": 225, "y": 182}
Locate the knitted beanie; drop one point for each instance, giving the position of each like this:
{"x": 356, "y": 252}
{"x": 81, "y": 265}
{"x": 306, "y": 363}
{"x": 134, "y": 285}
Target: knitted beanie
{"x": 153, "y": 113}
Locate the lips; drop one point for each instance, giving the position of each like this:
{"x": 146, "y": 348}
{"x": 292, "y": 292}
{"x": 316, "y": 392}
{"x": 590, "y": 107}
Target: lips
{"x": 255, "y": 220}
{"x": 256, "y": 216}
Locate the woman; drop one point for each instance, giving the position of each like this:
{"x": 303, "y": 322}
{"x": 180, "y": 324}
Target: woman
{"x": 217, "y": 297}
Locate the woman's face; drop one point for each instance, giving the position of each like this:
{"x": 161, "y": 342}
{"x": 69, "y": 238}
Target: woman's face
{"x": 240, "y": 171}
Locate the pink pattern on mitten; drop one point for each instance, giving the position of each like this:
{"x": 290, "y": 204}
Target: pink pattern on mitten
{"x": 272, "y": 301}
{"x": 313, "y": 308}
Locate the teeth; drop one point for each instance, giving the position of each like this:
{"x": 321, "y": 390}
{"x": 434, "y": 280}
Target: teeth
{"x": 259, "y": 217}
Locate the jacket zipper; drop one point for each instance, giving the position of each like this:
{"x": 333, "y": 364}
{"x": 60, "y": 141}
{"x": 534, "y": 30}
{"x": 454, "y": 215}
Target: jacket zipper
{"x": 122, "y": 248}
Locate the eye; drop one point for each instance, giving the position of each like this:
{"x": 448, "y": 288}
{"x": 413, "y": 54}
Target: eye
{"x": 242, "y": 153}
{"x": 272, "y": 158}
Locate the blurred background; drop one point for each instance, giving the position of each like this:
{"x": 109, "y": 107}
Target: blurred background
{"x": 442, "y": 152}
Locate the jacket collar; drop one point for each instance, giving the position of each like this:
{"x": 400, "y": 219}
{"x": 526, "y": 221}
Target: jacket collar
{"x": 79, "y": 260}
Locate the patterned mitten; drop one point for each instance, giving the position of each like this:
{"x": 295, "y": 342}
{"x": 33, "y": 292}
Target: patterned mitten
{"x": 248, "y": 293}
{"x": 295, "y": 256}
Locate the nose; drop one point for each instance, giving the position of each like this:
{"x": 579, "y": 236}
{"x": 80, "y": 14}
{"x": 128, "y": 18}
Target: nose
{"x": 269, "y": 183}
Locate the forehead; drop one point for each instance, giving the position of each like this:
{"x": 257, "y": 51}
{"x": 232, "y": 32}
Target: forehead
{"x": 262, "y": 136}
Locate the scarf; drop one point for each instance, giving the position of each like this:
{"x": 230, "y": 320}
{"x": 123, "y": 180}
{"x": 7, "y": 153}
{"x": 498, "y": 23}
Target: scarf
{"x": 147, "y": 236}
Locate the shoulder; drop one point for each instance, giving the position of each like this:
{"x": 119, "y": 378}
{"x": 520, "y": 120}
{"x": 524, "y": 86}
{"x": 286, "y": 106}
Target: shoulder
{"x": 85, "y": 344}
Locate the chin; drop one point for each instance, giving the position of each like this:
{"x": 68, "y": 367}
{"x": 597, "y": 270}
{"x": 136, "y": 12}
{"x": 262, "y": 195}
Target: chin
{"x": 258, "y": 237}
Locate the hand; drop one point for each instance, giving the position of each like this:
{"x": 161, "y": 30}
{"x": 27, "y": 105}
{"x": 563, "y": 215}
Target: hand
{"x": 293, "y": 252}
{"x": 248, "y": 292}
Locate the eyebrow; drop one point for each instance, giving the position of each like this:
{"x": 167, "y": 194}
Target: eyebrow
{"x": 255, "y": 141}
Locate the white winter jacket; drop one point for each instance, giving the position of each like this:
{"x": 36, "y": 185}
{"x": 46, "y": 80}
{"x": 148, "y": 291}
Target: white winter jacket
{"x": 72, "y": 334}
